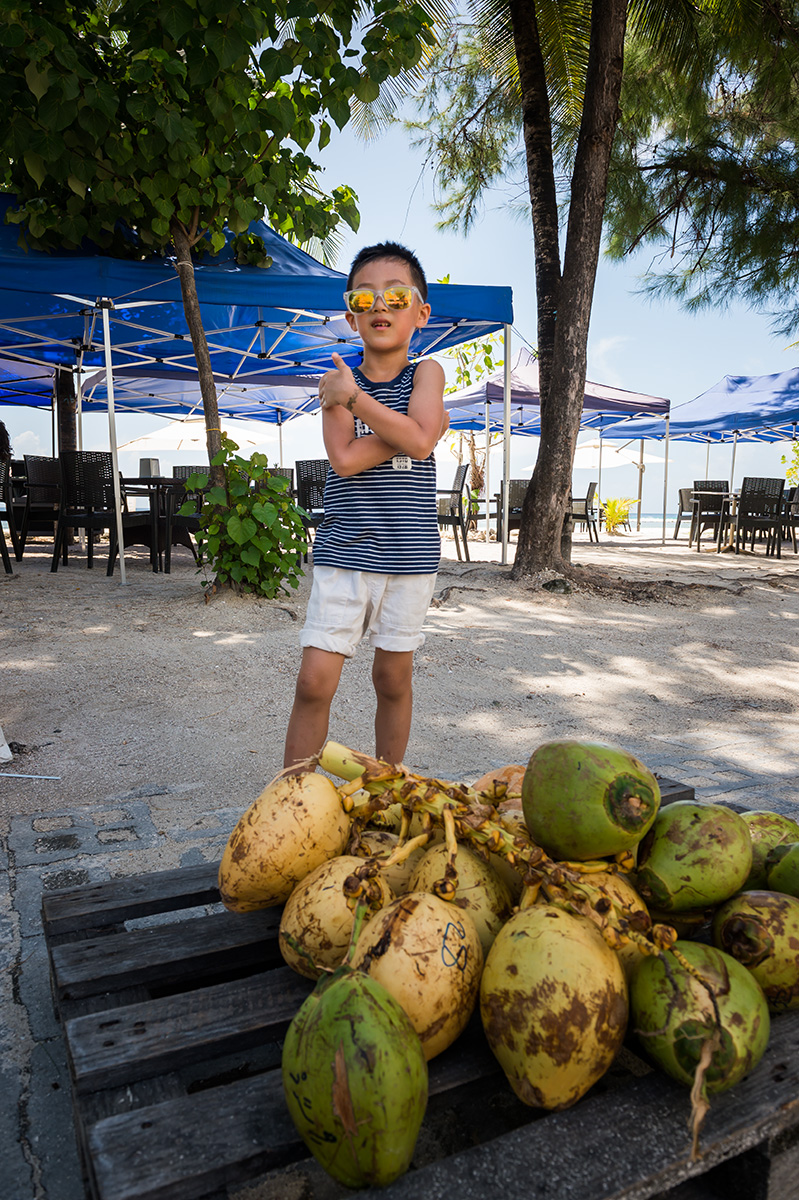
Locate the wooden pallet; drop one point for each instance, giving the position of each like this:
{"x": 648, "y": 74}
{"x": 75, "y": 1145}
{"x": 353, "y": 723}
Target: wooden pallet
{"x": 173, "y": 1035}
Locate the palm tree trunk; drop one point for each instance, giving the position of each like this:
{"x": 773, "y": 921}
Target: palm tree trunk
{"x": 191, "y": 307}
{"x": 562, "y": 372}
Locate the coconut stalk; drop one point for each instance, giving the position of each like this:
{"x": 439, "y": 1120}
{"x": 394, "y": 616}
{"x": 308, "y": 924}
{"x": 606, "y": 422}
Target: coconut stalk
{"x": 469, "y": 816}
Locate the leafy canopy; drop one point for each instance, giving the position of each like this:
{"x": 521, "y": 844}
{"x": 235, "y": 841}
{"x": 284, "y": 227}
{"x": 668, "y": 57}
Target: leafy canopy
{"x": 152, "y": 113}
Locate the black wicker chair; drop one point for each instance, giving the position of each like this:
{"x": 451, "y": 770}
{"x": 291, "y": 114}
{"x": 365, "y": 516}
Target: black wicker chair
{"x": 581, "y": 511}
{"x": 517, "y": 490}
{"x": 711, "y": 502}
{"x": 285, "y": 473}
{"x": 311, "y": 480}
{"x": 685, "y": 509}
{"x": 452, "y": 512}
{"x": 181, "y": 526}
{"x": 6, "y": 514}
{"x": 42, "y": 498}
{"x": 790, "y": 515}
{"x": 88, "y": 502}
{"x": 758, "y": 511}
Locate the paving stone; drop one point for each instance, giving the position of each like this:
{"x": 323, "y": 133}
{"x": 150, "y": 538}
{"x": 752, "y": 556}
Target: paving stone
{"x": 29, "y": 846}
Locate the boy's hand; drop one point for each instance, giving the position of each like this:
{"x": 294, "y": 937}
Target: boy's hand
{"x": 338, "y": 386}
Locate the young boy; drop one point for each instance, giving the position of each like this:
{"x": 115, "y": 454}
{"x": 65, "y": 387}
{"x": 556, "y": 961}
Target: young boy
{"x": 377, "y": 550}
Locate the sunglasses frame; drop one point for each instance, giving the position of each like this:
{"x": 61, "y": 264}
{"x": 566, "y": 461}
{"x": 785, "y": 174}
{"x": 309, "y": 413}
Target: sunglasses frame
{"x": 378, "y": 293}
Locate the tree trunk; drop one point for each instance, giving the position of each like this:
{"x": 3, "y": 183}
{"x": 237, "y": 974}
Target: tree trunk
{"x": 564, "y": 308}
{"x": 191, "y": 307}
{"x": 66, "y": 410}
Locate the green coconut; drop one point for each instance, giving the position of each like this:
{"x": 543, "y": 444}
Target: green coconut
{"x": 553, "y": 1000}
{"x": 585, "y": 800}
{"x": 761, "y": 930}
{"x": 767, "y": 830}
{"x": 782, "y": 868}
{"x": 694, "y": 856}
{"x": 674, "y": 1016}
{"x": 355, "y": 1079}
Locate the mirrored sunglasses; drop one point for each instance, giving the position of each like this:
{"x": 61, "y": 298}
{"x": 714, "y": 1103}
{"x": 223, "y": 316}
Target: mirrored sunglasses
{"x": 363, "y": 300}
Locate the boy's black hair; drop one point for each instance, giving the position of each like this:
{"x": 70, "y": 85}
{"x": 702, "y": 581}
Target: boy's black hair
{"x": 390, "y": 250}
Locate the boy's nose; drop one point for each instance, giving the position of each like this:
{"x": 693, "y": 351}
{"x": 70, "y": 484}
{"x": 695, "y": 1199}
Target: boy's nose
{"x": 379, "y": 300}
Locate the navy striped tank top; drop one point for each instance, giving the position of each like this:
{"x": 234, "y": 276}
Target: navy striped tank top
{"x": 384, "y": 519}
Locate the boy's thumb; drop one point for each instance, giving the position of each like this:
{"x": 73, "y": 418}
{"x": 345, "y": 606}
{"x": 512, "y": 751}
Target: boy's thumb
{"x": 337, "y": 359}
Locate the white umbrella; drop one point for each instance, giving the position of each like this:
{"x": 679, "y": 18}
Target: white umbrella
{"x": 586, "y": 456}
{"x": 190, "y": 435}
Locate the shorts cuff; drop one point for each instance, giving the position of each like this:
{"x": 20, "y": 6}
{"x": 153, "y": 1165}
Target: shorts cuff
{"x": 326, "y": 641}
{"x": 397, "y": 644}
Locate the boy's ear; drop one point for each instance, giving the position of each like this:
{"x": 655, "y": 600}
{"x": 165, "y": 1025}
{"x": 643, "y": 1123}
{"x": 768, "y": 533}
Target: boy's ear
{"x": 350, "y": 319}
{"x": 424, "y": 316}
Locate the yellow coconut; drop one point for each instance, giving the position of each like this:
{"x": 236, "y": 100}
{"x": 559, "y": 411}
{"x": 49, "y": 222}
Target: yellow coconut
{"x": 427, "y": 954}
{"x": 502, "y": 784}
{"x": 294, "y": 825}
{"x": 317, "y": 921}
{"x": 553, "y": 999}
{"x": 480, "y": 890}
{"x": 626, "y": 903}
{"x": 382, "y": 842}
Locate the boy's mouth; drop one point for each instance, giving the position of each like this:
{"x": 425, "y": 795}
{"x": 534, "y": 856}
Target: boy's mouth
{"x": 381, "y": 323}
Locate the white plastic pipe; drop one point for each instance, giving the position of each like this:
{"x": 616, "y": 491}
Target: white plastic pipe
{"x": 106, "y": 305}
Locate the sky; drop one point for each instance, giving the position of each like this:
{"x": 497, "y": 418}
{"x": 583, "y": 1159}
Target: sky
{"x": 651, "y": 347}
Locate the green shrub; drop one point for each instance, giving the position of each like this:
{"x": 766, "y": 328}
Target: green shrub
{"x": 251, "y": 533}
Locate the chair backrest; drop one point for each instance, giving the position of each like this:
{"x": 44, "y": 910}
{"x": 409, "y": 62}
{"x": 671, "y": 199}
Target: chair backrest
{"x": 707, "y": 505}
{"x": 589, "y": 496}
{"x": 44, "y": 479}
{"x": 185, "y": 472}
{"x": 517, "y": 490}
{"x": 686, "y": 502}
{"x": 711, "y": 485}
{"x": 87, "y": 479}
{"x": 760, "y": 497}
{"x": 459, "y": 482}
{"x": 311, "y": 480}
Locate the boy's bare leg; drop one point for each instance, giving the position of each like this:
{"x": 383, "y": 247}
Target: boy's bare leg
{"x": 318, "y": 678}
{"x": 391, "y": 675}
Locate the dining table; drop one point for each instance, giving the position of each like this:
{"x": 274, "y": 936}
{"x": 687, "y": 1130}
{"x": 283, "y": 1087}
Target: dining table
{"x": 160, "y": 492}
{"x": 727, "y": 512}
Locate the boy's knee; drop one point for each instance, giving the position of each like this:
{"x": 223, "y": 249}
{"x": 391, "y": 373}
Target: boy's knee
{"x": 392, "y": 680}
{"x": 317, "y": 681}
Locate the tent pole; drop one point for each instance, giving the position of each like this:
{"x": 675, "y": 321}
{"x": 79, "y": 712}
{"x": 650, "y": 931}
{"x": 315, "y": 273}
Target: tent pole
{"x": 732, "y": 464}
{"x": 665, "y": 482}
{"x": 106, "y": 305}
{"x": 599, "y": 471}
{"x": 640, "y": 486}
{"x": 487, "y": 473}
{"x": 280, "y": 436}
{"x": 506, "y": 446}
{"x": 707, "y": 460}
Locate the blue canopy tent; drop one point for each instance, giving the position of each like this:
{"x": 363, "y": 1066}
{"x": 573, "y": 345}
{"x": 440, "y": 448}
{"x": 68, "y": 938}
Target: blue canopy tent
{"x": 265, "y": 326}
{"x": 482, "y": 406}
{"x": 739, "y": 408}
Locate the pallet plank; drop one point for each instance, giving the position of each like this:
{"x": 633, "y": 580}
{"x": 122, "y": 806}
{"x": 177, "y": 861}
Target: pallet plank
{"x": 168, "y": 1151}
{"x": 120, "y": 899}
{"x": 165, "y": 953}
{"x": 629, "y": 1144}
{"x": 138, "y": 1040}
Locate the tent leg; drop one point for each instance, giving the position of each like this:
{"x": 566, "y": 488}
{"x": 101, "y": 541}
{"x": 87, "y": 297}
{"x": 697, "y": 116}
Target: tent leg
{"x": 640, "y": 486}
{"x": 106, "y": 305}
{"x": 506, "y": 447}
{"x": 665, "y": 484}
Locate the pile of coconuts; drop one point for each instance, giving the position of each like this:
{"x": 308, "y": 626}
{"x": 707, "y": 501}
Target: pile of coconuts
{"x": 559, "y": 898}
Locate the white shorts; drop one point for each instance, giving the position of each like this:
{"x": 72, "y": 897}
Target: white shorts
{"x": 344, "y": 606}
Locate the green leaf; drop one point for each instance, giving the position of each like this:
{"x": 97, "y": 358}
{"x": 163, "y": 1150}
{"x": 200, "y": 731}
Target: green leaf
{"x": 34, "y": 165}
{"x": 367, "y": 89}
{"x": 77, "y": 185}
{"x": 38, "y": 81}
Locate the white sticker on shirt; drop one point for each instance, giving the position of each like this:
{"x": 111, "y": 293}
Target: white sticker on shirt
{"x": 401, "y": 462}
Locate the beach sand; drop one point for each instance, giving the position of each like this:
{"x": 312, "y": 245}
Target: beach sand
{"x": 149, "y": 690}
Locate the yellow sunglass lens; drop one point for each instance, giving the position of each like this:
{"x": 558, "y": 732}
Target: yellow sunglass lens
{"x": 361, "y": 302}
{"x": 398, "y": 297}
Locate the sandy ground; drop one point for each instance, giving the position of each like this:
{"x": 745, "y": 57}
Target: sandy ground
{"x": 149, "y": 689}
